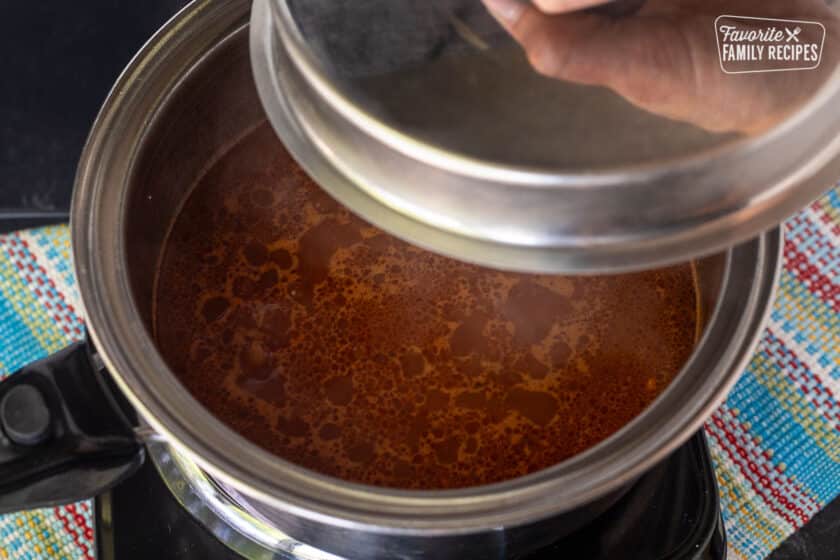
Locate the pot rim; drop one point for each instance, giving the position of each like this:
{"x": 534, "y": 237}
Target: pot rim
{"x": 98, "y": 207}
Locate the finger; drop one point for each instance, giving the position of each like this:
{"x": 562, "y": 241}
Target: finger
{"x": 626, "y": 56}
{"x": 565, "y": 6}
{"x": 565, "y": 47}
{"x": 573, "y": 47}
{"x": 506, "y": 12}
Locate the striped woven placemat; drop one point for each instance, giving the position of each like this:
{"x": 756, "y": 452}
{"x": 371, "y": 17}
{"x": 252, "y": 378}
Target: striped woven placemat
{"x": 775, "y": 442}
{"x": 40, "y": 313}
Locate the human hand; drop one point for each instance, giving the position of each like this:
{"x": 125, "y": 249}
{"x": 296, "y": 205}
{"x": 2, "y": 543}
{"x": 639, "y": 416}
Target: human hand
{"x": 664, "y": 58}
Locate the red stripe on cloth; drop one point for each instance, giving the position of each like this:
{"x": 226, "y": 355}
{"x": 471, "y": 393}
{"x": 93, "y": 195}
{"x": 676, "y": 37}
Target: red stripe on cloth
{"x": 757, "y": 488}
{"x": 818, "y": 246}
{"x": 776, "y": 490}
{"x": 825, "y": 217}
{"x": 66, "y": 318}
{"x": 81, "y": 521}
{"x": 749, "y": 447}
{"x": 67, "y": 520}
{"x": 818, "y": 395}
{"x": 811, "y": 276}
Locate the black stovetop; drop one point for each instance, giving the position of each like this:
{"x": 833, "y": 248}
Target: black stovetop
{"x": 671, "y": 513}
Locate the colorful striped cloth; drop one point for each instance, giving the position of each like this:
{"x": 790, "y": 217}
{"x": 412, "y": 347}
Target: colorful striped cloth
{"x": 40, "y": 313}
{"x": 775, "y": 442}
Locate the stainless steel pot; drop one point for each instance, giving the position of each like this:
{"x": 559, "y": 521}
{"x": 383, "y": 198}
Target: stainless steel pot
{"x": 187, "y": 95}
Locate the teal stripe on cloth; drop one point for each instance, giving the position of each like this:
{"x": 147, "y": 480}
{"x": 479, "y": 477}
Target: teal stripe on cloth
{"x": 780, "y": 431}
{"x": 793, "y": 300}
{"x": 18, "y": 346}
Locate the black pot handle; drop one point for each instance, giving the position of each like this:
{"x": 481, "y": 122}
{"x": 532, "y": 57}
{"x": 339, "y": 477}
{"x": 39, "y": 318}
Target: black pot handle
{"x": 66, "y": 432}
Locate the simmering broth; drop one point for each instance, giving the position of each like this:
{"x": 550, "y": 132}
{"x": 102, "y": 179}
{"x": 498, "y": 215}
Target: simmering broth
{"x": 344, "y": 350}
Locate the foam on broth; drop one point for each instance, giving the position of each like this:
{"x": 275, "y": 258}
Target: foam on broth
{"x": 344, "y": 350}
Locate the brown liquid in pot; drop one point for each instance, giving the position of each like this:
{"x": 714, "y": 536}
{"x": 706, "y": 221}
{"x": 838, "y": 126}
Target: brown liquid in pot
{"x": 347, "y": 351}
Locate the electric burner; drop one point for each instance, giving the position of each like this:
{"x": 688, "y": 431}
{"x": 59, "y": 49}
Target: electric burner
{"x": 672, "y": 512}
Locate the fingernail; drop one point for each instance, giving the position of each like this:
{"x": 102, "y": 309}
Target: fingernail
{"x": 507, "y": 12}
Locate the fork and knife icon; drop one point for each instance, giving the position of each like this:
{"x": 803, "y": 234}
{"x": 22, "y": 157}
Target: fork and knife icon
{"x": 793, "y": 34}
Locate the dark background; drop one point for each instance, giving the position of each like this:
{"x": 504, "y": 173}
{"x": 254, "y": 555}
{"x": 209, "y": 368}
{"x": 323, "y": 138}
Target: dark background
{"x": 58, "y": 60}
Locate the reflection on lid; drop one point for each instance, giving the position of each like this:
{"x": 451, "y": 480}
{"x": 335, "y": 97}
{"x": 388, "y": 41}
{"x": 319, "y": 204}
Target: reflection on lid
{"x": 502, "y": 81}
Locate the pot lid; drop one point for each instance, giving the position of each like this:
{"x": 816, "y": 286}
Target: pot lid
{"x": 559, "y": 135}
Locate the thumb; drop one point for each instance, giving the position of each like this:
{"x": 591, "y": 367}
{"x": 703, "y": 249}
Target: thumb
{"x": 575, "y": 47}
{"x": 547, "y": 6}
{"x": 565, "y": 6}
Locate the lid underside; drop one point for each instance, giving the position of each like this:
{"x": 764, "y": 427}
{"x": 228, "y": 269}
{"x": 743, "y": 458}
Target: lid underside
{"x": 674, "y": 125}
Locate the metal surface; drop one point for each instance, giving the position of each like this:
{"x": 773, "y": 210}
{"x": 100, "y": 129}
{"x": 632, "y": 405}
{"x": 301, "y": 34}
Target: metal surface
{"x": 518, "y": 171}
{"x": 240, "y": 531}
{"x": 671, "y": 512}
{"x": 186, "y": 96}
